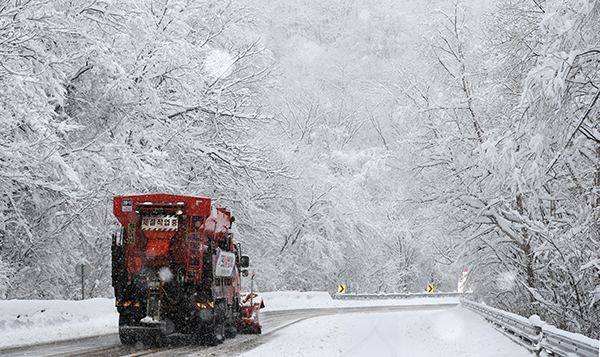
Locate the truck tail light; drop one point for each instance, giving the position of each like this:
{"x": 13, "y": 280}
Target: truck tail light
{"x": 205, "y": 305}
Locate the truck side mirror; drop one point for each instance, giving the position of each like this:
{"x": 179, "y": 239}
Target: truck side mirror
{"x": 245, "y": 261}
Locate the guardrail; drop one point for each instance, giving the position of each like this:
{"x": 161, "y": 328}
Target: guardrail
{"x": 393, "y": 296}
{"x": 535, "y": 335}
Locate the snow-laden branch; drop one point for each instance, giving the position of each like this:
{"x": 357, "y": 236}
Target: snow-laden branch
{"x": 577, "y": 128}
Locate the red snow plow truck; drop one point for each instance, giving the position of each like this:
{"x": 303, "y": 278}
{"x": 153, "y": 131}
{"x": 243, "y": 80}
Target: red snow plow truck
{"x": 176, "y": 271}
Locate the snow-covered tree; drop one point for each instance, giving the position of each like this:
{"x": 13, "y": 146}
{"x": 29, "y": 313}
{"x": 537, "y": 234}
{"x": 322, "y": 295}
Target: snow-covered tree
{"x": 119, "y": 98}
{"x": 532, "y": 222}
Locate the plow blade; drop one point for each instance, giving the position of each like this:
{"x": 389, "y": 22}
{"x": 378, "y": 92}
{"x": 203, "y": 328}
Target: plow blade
{"x": 249, "y": 322}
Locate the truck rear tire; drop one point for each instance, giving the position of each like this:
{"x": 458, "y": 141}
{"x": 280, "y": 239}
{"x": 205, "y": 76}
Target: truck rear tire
{"x": 127, "y": 338}
{"x": 213, "y": 335}
{"x": 231, "y": 330}
{"x": 217, "y": 329}
{"x": 219, "y": 332}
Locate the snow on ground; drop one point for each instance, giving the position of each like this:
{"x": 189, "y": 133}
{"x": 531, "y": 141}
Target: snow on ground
{"x": 410, "y": 333}
{"x": 454, "y": 332}
{"x": 27, "y": 322}
{"x": 288, "y": 300}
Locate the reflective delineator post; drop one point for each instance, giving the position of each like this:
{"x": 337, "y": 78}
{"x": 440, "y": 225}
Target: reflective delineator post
{"x": 82, "y": 269}
{"x": 252, "y": 291}
{"x": 82, "y": 277}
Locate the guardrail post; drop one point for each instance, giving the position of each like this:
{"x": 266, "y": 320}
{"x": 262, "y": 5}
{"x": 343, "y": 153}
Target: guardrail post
{"x": 537, "y": 324}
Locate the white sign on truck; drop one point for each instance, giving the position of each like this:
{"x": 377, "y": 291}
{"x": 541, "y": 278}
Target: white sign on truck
{"x": 224, "y": 264}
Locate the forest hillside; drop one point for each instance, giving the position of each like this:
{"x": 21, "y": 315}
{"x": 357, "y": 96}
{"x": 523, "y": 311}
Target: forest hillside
{"x": 384, "y": 145}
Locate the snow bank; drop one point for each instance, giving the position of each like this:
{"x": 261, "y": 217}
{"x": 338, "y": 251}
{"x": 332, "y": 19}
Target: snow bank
{"x": 287, "y": 300}
{"x": 26, "y": 322}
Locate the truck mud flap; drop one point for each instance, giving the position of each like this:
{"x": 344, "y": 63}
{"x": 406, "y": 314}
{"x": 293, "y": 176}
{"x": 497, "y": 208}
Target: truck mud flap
{"x": 149, "y": 336}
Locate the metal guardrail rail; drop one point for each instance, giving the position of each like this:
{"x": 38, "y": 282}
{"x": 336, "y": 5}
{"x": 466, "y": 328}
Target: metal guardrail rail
{"x": 535, "y": 335}
{"x": 393, "y": 296}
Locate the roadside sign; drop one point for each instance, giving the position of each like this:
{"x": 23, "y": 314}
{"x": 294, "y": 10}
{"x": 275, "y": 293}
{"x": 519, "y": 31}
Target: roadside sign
{"x": 83, "y": 271}
{"x": 429, "y": 288}
{"x": 341, "y": 289}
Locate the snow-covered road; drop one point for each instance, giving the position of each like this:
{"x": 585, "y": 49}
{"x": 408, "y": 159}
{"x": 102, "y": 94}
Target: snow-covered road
{"x": 439, "y": 332}
{"x": 416, "y": 327}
